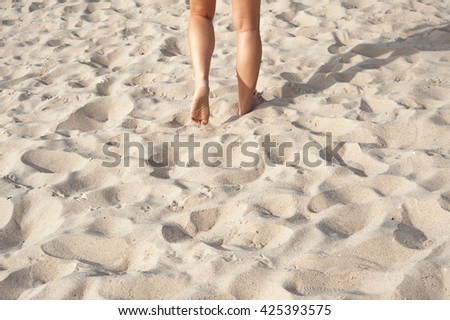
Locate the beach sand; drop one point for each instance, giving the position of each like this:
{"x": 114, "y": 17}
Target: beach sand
{"x": 78, "y": 79}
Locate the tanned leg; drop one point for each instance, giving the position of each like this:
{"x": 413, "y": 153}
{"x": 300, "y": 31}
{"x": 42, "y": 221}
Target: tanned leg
{"x": 246, "y": 19}
{"x": 201, "y": 45}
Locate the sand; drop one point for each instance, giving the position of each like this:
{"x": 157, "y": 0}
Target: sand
{"x": 77, "y": 77}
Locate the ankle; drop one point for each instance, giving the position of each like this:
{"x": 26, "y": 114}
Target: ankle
{"x": 201, "y": 84}
{"x": 245, "y": 108}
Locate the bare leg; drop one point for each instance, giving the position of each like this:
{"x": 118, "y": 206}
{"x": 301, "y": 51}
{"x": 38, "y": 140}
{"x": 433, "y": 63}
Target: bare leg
{"x": 246, "y": 17}
{"x": 201, "y": 44}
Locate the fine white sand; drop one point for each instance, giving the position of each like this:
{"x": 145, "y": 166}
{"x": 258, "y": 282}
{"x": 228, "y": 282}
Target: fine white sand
{"x": 78, "y": 76}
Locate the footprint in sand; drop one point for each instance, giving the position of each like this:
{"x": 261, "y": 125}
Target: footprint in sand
{"x": 348, "y": 220}
{"x": 116, "y": 58}
{"x": 12, "y": 286}
{"x": 235, "y": 176}
{"x": 35, "y": 215}
{"x": 66, "y": 71}
{"x": 437, "y": 181}
{"x": 51, "y": 161}
{"x": 160, "y": 285}
{"x": 71, "y": 287}
{"x": 95, "y": 17}
{"x": 339, "y": 126}
{"x": 362, "y": 162}
{"x": 108, "y": 87}
{"x": 411, "y": 237}
{"x": 120, "y": 194}
{"x": 443, "y": 114}
{"x": 143, "y": 79}
{"x": 358, "y": 4}
{"x": 174, "y": 233}
{"x": 204, "y": 220}
{"x": 54, "y": 42}
{"x": 423, "y": 214}
{"x": 377, "y": 105}
{"x": 108, "y": 108}
{"x": 444, "y": 201}
{"x": 37, "y": 275}
{"x": 278, "y": 204}
{"x": 314, "y": 283}
{"x": 8, "y": 22}
{"x": 98, "y": 114}
{"x": 93, "y": 7}
{"x": 173, "y": 47}
{"x": 423, "y": 282}
{"x": 36, "y": 6}
{"x": 258, "y": 283}
{"x": 103, "y": 254}
{"x": 87, "y": 179}
{"x": 349, "y": 195}
{"x": 255, "y": 233}
{"x": 77, "y": 8}
{"x": 7, "y": 211}
{"x": 110, "y": 226}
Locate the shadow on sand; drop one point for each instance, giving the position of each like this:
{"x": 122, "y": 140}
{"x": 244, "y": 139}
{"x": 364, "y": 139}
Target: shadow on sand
{"x": 375, "y": 55}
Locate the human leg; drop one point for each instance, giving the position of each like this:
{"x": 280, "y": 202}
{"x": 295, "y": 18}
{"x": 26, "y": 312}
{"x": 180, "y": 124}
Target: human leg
{"x": 201, "y": 44}
{"x": 246, "y": 19}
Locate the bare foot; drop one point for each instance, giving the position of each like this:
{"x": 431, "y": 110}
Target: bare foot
{"x": 200, "y": 105}
{"x": 257, "y": 99}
